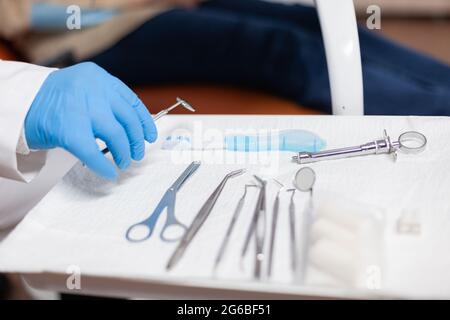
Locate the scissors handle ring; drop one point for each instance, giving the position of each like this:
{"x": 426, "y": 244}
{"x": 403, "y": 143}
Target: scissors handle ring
{"x": 170, "y": 225}
{"x": 134, "y": 227}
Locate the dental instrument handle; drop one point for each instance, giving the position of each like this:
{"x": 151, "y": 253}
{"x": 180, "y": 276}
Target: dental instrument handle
{"x": 160, "y": 114}
{"x": 248, "y": 237}
{"x": 253, "y": 225}
{"x": 199, "y": 219}
{"x": 292, "y": 233}
{"x": 375, "y": 147}
{"x": 379, "y": 146}
{"x": 260, "y": 232}
{"x": 259, "y": 237}
{"x": 412, "y": 142}
{"x": 230, "y": 228}
{"x": 276, "y": 207}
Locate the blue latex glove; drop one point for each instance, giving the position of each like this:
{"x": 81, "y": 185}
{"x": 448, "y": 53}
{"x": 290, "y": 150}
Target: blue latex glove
{"x": 78, "y": 104}
{"x": 48, "y": 16}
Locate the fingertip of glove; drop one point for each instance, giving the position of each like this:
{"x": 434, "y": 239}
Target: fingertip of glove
{"x": 138, "y": 155}
{"x": 124, "y": 164}
{"x": 151, "y": 136}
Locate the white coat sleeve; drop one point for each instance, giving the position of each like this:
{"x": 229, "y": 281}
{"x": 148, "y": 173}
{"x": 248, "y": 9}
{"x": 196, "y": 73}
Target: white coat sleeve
{"x": 19, "y": 84}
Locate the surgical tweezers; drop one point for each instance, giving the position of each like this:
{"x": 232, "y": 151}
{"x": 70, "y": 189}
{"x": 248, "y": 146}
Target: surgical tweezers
{"x": 167, "y": 201}
{"x": 199, "y": 219}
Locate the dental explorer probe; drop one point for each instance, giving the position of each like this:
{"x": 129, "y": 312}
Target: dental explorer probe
{"x": 226, "y": 238}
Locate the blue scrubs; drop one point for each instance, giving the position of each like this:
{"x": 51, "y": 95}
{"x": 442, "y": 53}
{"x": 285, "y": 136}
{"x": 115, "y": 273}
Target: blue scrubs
{"x": 275, "y": 48}
{"x": 49, "y": 17}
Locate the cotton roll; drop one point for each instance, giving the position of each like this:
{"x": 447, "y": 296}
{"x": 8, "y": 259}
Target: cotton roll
{"x": 349, "y": 214}
{"x": 334, "y": 260}
{"x": 326, "y": 229}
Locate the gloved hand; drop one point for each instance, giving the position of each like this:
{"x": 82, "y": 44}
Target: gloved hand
{"x": 78, "y": 104}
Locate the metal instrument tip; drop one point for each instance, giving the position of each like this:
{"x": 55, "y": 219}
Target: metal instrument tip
{"x": 185, "y": 104}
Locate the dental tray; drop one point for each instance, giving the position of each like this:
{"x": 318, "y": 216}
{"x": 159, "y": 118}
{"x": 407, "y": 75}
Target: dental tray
{"x": 79, "y": 227}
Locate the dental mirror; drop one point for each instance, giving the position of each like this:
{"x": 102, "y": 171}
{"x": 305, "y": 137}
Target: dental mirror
{"x": 304, "y": 179}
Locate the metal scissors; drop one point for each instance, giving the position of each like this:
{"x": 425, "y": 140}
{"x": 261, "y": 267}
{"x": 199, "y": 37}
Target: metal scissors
{"x": 143, "y": 230}
{"x": 408, "y": 142}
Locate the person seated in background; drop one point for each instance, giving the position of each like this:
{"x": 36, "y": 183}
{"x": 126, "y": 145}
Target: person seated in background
{"x": 273, "y": 47}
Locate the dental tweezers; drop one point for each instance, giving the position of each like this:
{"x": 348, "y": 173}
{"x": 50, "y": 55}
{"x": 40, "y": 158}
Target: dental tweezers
{"x": 199, "y": 220}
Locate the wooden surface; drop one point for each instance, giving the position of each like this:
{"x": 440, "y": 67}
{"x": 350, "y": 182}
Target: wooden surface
{"x": 209, "y": 99}
{"x": 5, "y": 54}
{"x": 430, "y": 36}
